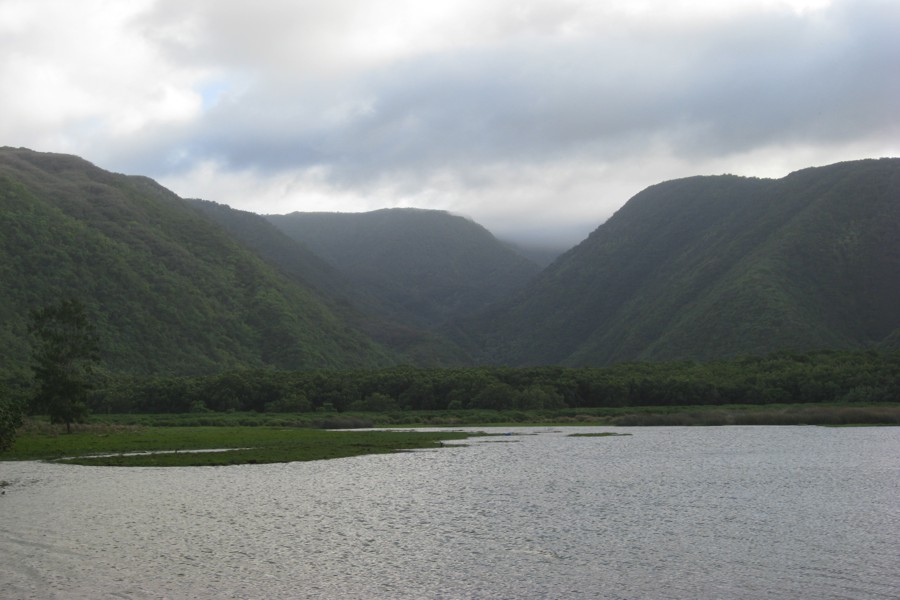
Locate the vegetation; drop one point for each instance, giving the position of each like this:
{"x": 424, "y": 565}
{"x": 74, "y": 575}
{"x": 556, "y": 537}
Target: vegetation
{"x": 712, "y": 267}
{"x": 856, "y": 378}
{"x": 791, "y": 414}
{"x": 240, "y": 438}
{"x": 699, "y": 268}
{"x": 214, "y": 315}
{"x": 168, "y": 290}
{"x": 64, "y": 355}
{"x": 192, "y": 446}
{"x": 363, "y": 306}
{"x": 10, "y": 420}
{"x": 284, "y": 408}
{"x": 15, "y": 393}
{"x": 418, "y": 267}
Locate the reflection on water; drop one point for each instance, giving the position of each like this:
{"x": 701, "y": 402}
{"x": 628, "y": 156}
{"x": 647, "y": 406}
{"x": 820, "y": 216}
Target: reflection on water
{"x": 764, "y": 512}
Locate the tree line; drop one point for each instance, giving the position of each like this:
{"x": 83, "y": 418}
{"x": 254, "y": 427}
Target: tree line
{"x": 820, "y": 377}
{"x": 67, "y": 386}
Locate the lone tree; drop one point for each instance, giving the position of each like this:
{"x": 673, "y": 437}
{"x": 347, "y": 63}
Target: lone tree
{"x": 10, "y": 419}
{"x": 63, "y": 358}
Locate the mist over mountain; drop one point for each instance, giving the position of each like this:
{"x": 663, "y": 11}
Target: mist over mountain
{"x": 707, "y": 267}
{"x": 540, "y": 254}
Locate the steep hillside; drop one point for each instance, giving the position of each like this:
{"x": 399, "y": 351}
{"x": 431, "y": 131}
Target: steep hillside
{"x": 346, "y": 299}
{"x": 698, "y": 268}
{"x": 423, "y": 266}
{"x": 717, "y": 266}
{"x": 169, "y": 291}
{"x": 291, "y": 257}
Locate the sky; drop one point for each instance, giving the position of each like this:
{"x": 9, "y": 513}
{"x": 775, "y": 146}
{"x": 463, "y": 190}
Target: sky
{"x": 537, "y": 119}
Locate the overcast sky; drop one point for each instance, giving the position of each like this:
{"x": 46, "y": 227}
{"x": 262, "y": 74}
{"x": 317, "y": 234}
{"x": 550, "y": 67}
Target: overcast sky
{"x": 536, "y": 117}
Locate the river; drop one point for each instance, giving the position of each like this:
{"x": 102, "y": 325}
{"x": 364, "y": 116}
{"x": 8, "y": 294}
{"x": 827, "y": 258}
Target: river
{"x": 679, "y": 512}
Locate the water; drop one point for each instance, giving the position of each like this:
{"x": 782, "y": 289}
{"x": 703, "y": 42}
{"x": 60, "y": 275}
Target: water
{"x": 756, "y": 512}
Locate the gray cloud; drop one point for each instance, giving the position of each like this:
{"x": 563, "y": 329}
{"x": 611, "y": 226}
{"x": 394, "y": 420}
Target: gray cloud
{"x": 522, "y": 116}
{"x": 725, "y": 89}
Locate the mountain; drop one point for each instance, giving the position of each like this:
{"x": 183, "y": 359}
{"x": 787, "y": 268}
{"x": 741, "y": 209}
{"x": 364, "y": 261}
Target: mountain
{"x": 697, "y": 268}
{"x": 422, "y": 268}
{"x": 169, "y": 290}
{"x": 347, "y": 299}
{"x": 541, "y": 255}
{"x": 291, "y": 257}
{"x": 706, "y": 267}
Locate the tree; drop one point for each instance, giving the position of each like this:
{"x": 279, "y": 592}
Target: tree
{"x": 10, "y": 420}
{"x": 496, "y": 396}
{"x": 64, "y": 355}
{"x": 12, "y": 405}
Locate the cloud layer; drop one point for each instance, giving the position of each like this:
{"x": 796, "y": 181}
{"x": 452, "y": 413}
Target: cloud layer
{"x": 534, "y": 118}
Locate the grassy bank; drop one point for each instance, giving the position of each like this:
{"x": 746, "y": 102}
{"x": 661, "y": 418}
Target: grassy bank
{"x": 792, "y": 414}
{"x": 268, "y": 437}
{"x": 744, "y": 414}
{"x": 177, "y": 446}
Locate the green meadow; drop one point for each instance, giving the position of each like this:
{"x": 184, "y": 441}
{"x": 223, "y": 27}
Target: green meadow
{"x": 212, "y": 446}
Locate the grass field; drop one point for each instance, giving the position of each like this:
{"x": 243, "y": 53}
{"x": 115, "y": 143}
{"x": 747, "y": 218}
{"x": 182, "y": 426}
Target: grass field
{"x": 177, "y": 446}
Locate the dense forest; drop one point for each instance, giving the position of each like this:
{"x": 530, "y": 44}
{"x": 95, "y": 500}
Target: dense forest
{"x": 423, "y": 267}
{"x": 169, "y": 291}
{"x": 394, "y": 305}
{"x": 783, "y": 378}
{"x": 698, "y": 268}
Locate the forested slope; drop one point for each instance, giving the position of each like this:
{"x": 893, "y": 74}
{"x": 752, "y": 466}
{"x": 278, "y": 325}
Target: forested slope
{"x": 707, "y": 267}
{"x": 290, "y": 256}
{"x": 421, "y": 267}
{"x": 344, "y": 294}
{"x": 697, "y": 268}
{"x": 170, "y": 292}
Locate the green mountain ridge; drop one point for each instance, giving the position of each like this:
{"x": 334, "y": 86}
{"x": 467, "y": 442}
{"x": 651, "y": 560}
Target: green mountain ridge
{"x": 169, "y": 291}
{"x": 707, "y": 267}
{"x": 343, "y": 295}
{"x": 423, "y": 267}
{"x": 693, "y": 269}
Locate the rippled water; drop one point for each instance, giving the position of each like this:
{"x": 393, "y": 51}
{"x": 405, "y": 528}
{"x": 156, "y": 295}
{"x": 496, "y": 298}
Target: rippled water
{"x": 761, "y": 512}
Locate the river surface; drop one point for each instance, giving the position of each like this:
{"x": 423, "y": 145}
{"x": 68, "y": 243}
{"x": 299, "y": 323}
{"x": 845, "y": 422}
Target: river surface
{"x": 719, "y": 512}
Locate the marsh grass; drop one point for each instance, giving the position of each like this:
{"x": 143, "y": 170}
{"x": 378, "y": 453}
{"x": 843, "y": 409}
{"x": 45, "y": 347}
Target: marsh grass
{"x": 743, "y": 414}
{"x": 241, "y": 445}
{"x": 268, "y": 437}
{"x": 335, "y": 420}
{"x": 768, "y": 415}
{"x": 34, "y": 426}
